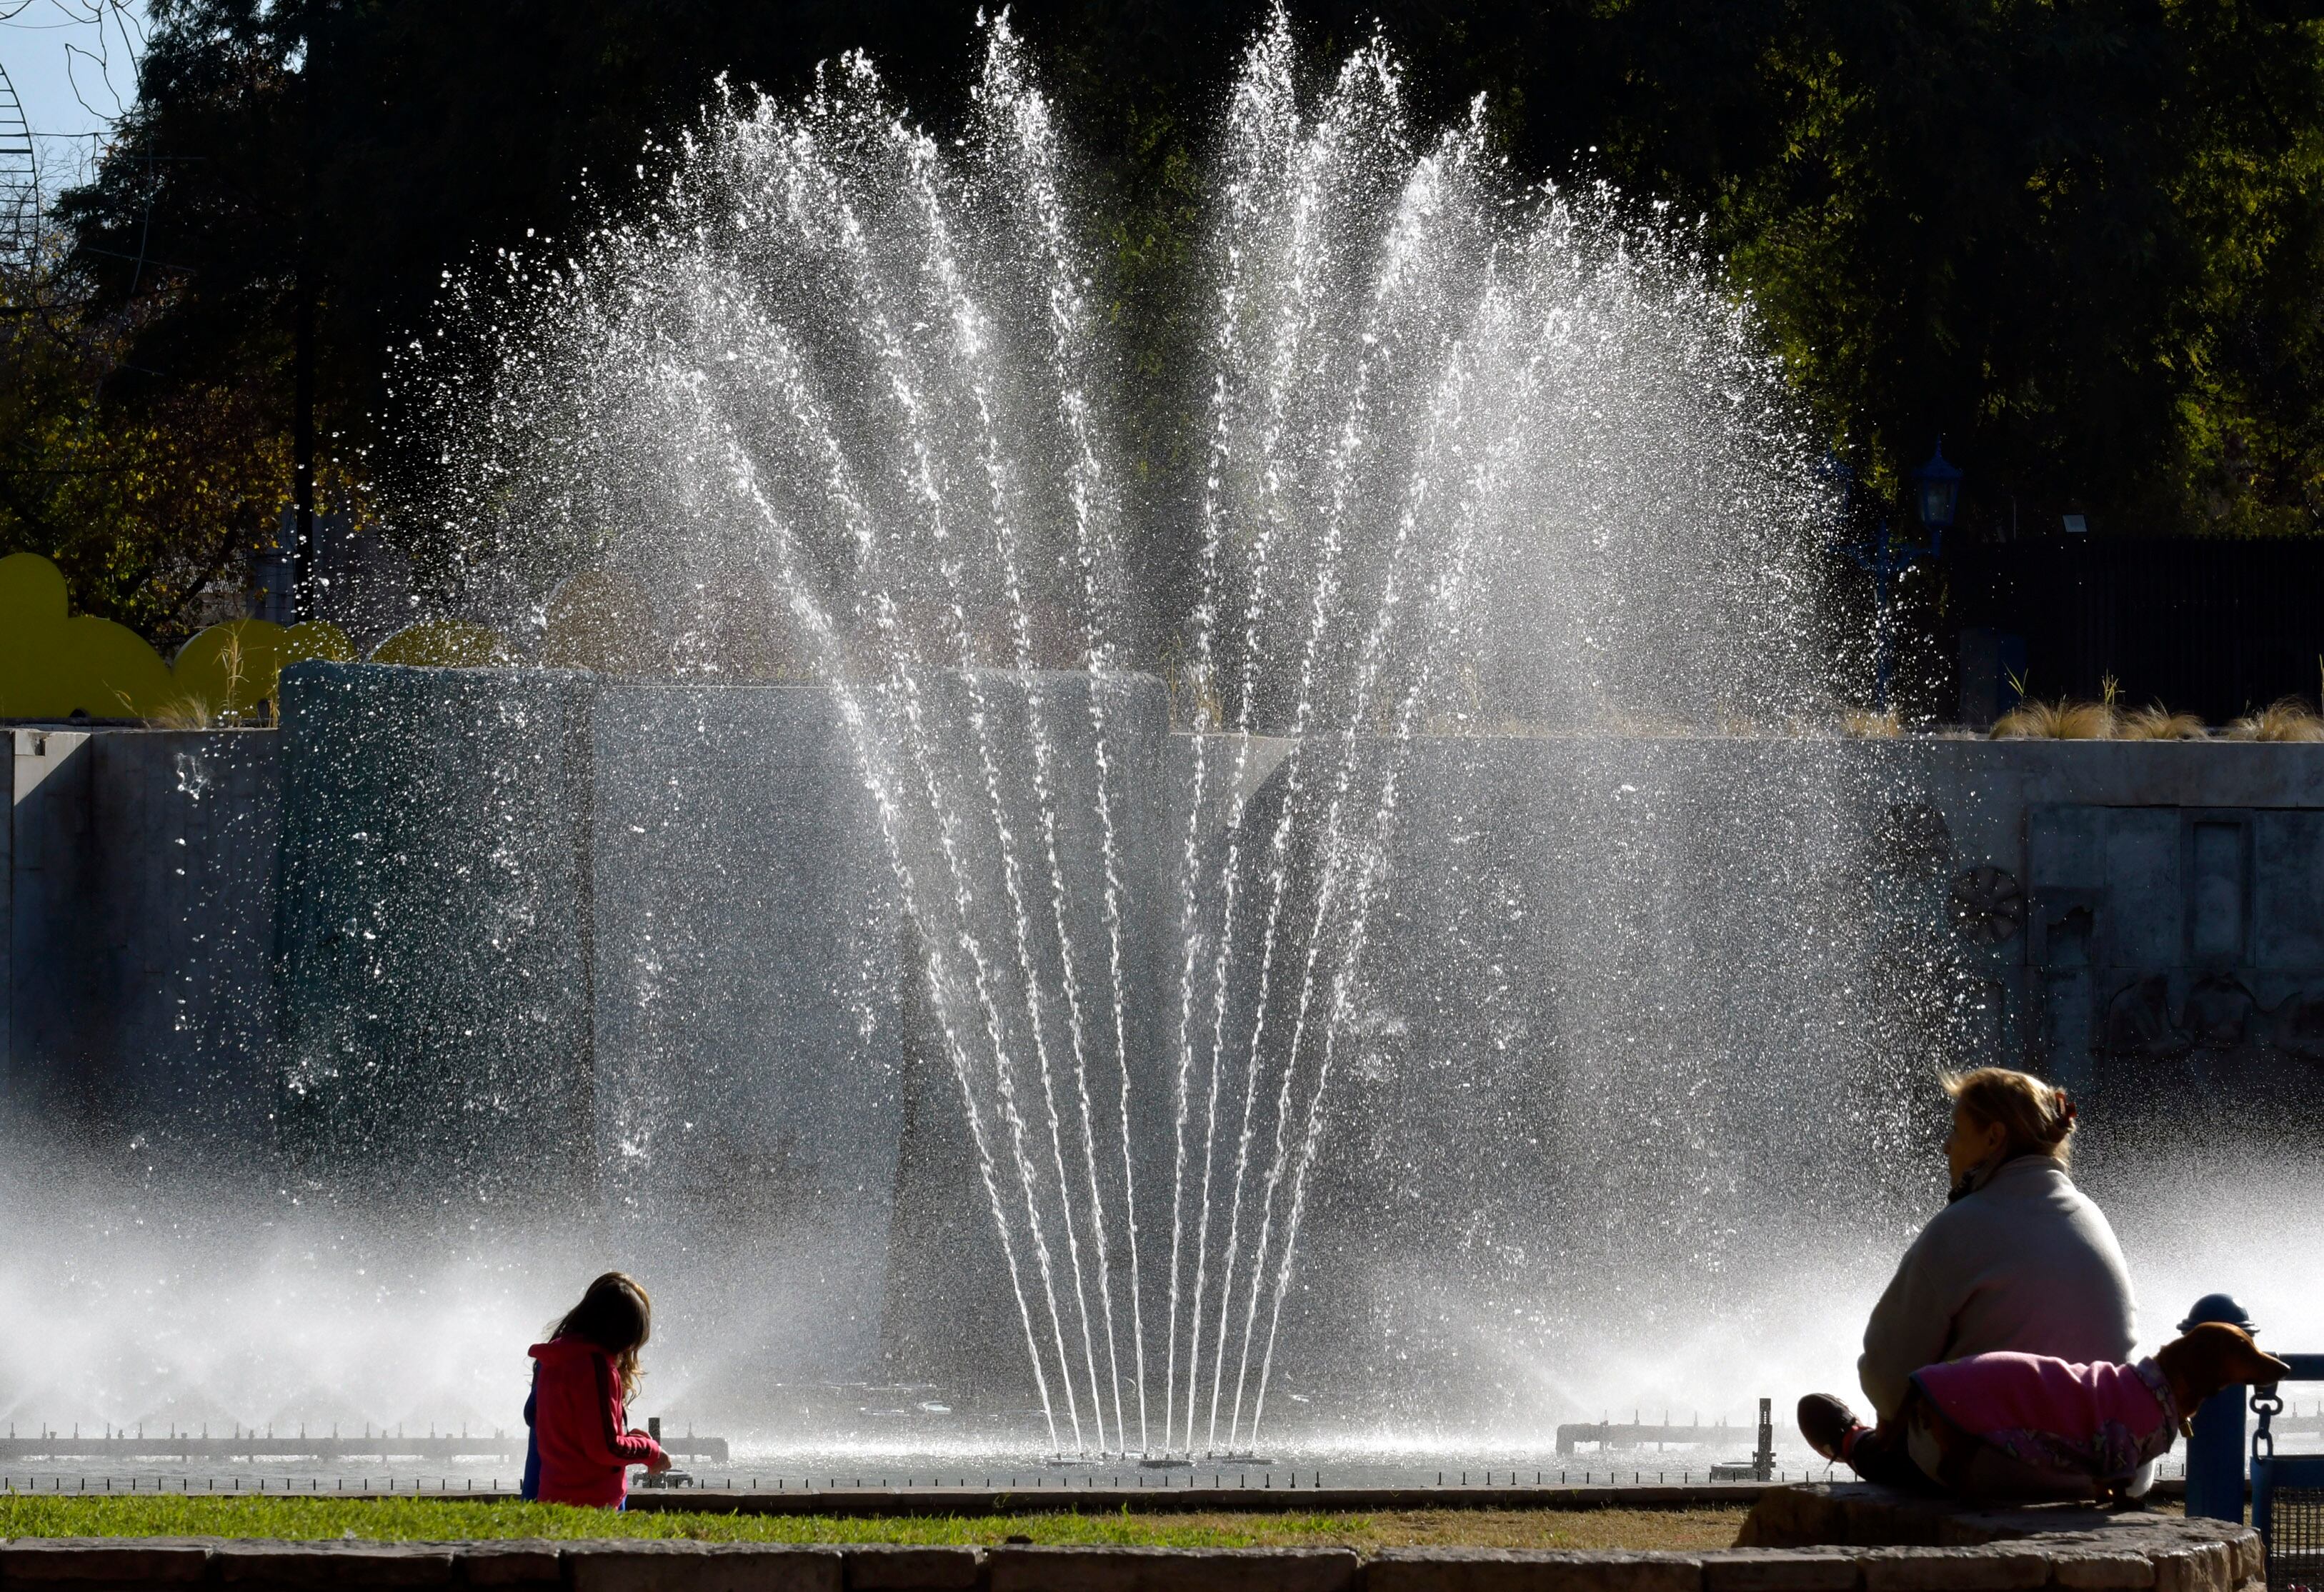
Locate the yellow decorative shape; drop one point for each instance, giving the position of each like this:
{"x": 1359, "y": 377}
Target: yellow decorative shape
{"x": 52, "y": 666}
{"x": 316, "y": 637}
{"x": 228, "y": 668}
{"x": 31, "y": 591}
{"x": 445, "y": 644}
{"x": 603, "y": 621}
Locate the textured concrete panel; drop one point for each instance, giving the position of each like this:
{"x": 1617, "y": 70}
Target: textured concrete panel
{"x": 141, "y": 908}
{"x": 435, "y": 930}
{"x": 748, "y": 1043}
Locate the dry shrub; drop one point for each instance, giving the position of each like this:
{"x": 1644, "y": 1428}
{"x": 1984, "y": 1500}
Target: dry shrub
{"x": 2156, "y": 722}
{"x": 2028, "y": 721}
{"x": 1870, "y": 726}
{"x": 2058, "y": 720}
{"x": 186, "y": 712}
{"x": 1195, "y": 704}
{"x": 2287, "y": 718}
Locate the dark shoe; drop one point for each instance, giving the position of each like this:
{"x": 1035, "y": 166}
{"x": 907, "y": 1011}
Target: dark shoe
{"x": 1825, "y": 1424}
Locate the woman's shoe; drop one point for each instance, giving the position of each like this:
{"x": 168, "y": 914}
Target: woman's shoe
{"x": 1826, "y": 1423}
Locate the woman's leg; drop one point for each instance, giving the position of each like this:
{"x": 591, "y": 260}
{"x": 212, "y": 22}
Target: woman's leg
{"x": 1876, "y": 1454}
{"x": 1880, "y": 1454}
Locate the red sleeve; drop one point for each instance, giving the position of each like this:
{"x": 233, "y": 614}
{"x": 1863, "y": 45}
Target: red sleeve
{"x": 622, "y": 1448}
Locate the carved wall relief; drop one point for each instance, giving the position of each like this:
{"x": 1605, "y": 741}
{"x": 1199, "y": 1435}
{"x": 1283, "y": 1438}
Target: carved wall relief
{"x": 1989, "y": 905}
{"x": 2169, "y": 944}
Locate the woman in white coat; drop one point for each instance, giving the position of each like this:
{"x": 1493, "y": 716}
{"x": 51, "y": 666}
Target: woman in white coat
{"x": 2019, "y": 1259}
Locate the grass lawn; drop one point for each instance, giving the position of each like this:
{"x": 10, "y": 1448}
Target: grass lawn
{"x": 426, "y": 1520}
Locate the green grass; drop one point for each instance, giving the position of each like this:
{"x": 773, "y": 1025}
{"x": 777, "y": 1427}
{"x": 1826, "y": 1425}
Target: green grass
{"x": 29, "y": 1514}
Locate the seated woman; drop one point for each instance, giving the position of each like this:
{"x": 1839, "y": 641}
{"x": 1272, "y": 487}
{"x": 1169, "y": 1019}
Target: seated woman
{"x": 2019, "y": 1259}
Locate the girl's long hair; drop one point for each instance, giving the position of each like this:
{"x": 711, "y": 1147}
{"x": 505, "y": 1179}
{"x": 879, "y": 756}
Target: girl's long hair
{"x": 616, "y": 1316}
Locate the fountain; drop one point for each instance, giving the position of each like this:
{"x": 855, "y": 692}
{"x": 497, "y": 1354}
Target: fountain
{"x": 1485, "y": 472}
{"x": 1356, "y": 930}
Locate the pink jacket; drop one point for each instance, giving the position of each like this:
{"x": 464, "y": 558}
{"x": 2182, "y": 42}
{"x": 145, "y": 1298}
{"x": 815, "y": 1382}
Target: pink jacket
{"x": 578, "y": 1426}
{"x": 2102, "y": 1420}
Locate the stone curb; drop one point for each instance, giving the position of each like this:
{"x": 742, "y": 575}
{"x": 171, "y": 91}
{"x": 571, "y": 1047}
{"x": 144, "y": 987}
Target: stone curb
{"x": 1514, "y": 1569}
{"x": 882, "y": 1569}
{"x": 700, "y": 1566}
{"x": 1171, "y": 1570}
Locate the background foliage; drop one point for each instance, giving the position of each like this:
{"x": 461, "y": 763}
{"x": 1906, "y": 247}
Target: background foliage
{"x": 2084, "y": 242}
{"x": 141, "y": 501}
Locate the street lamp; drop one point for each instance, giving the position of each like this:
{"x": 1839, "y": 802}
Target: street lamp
{"x": 1936, "y": 496}
{"x": 1936, "y": 489}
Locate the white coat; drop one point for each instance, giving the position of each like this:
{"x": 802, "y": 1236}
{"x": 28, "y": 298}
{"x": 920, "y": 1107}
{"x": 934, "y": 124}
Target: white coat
{"x": 2026, "y": 1262}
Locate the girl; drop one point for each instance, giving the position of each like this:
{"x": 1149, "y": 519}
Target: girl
{"x": 580, "y": 1452}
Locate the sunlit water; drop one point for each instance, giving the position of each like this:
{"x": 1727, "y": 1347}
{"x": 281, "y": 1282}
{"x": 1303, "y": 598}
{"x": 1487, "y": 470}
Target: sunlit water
{"x": 1485, "y": 1012}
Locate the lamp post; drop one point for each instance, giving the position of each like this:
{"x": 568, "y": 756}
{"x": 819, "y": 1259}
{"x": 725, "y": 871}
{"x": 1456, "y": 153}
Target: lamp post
{"x": 1936, "y": 497}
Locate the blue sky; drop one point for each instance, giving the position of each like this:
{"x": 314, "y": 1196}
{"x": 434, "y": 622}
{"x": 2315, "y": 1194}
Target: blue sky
{"x": 73, "y": 64}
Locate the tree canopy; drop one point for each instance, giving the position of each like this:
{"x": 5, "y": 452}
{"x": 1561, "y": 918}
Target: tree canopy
{"x": 2082, "y": 240}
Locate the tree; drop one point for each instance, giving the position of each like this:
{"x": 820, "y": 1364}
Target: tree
{"x": 2085, "y": 244}
{"x": 142, "y": 506}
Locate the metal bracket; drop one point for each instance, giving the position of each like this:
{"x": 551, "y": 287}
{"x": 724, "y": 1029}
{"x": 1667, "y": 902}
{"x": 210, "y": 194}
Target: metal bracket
{"x": 2267, "y": 1403}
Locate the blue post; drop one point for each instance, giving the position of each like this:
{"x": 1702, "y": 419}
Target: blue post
{"x": 2214, "y": 1450}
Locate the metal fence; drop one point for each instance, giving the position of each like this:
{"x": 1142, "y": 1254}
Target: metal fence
{"x": 2295, "y": 1537}
{"x": 2208, "y": 627}
{"x": 2287, "y": 1494}
{"x": 2287, "y": 1491}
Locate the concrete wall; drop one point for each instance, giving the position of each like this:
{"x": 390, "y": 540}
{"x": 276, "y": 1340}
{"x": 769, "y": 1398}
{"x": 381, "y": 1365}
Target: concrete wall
{"x": 435, "y": 932}
{"x": 947, "y": 1321}
{"x": 747, "y": 987}
{"x": 142, "y": 866}
{"x": 552, "y": 943}
{"x": 640, "y": 947}
{"x": 138, "y": 905}
{"x": 1621, "y": 993}
{"x": 2173, "y": 907}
